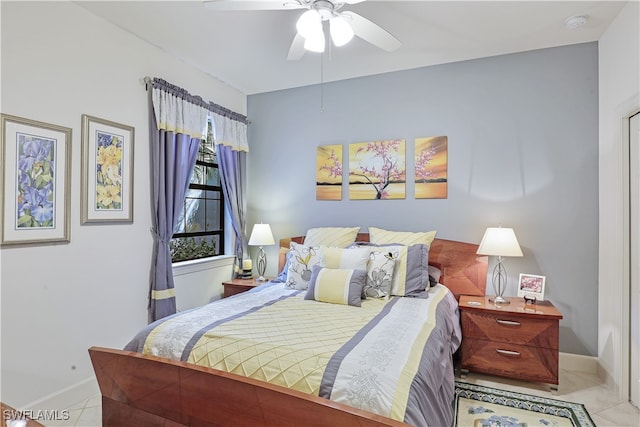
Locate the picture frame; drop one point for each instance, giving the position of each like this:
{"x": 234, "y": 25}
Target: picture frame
{"x": 531, "y": 286}
{"x": 107, "y": 171}
{"x": 35, "y": 181}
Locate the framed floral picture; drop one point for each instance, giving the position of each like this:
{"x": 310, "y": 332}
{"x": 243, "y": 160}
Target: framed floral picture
{"x": 107, "y": 171}
{"x": 531, "y": 287}
{"x": 35, "y": 181}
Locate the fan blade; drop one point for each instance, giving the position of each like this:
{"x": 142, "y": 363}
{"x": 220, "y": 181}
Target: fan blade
{"x": 371, "y": 32}
{"x": 252, "y": 4}
{"x": 296, "y": 51}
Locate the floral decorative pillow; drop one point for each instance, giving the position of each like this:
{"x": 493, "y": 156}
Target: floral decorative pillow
{"x": 379, "y": 275}
{"x": 411, "y": 275}
{"x": 302, "y": 258}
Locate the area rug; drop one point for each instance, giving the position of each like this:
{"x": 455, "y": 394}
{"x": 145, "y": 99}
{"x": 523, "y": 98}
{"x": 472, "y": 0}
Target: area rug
{"x": 478, "y": 406}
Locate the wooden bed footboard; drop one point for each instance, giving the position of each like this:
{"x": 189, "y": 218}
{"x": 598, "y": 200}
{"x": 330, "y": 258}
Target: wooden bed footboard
{"x": 140, "y": 390}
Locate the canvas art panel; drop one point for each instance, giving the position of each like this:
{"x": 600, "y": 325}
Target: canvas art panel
{"x": 377, "y": 170}
{"x": 329, "y": 172}
{"x": 431, "y": 167}
{"x": 35, "y": 183}
{"x": 107, "y": 171}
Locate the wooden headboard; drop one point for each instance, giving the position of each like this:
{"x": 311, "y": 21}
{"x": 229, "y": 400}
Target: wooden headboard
{"x": 463, "y": 272}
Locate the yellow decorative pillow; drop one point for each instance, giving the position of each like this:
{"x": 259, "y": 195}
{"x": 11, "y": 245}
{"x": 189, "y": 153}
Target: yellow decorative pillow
{"x": 379, "y": 236}
{"x": 336, "y": 285}
{"x": 340, "y": 237}
{"x": 354, "y": 258}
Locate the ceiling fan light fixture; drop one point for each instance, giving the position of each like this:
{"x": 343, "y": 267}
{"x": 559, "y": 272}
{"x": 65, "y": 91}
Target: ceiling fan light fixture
{"x": 341, "y": 31}
{"x": 309, "y": 23}
{"x": 315, "y": 42}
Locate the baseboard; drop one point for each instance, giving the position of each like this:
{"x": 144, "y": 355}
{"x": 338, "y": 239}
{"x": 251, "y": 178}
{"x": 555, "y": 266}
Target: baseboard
{"x": 608, "y": 381}
{"x": 578, "y": 362}
{"x": 67, "y": 397}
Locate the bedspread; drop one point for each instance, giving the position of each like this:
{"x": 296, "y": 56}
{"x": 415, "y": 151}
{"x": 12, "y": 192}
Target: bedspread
{"x": 391, "y": 357}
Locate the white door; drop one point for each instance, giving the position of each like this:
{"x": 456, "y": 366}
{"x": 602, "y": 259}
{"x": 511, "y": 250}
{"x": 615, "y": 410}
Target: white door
{"x": 634, "y": 169}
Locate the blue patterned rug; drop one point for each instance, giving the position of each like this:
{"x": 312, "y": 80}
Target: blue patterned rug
{"x": 478, "y": 406}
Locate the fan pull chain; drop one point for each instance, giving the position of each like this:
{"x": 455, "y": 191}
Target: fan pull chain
{"x": 322, "y": 82}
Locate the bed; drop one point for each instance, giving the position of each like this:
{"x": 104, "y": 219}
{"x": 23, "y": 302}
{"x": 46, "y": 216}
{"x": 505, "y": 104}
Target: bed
{"x": 274, "y": 356}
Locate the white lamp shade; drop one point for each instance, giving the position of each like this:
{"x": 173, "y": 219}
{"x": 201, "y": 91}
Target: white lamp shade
{"x": 498, "y": 241}
{"x": 261, "y": 235}
{"x": 341, "y": 31}
{"x": 315, "y": 42}
{"x": 309, "y": 23}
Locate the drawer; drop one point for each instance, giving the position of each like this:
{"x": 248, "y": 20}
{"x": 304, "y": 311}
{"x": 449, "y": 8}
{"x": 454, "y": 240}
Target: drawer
{"x": 510, "y": 360}
{"x": 232, "y": 289}
{"x": 508, "y": 328}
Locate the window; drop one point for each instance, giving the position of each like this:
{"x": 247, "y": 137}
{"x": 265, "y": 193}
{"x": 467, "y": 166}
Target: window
{"x": 199, "y": 231}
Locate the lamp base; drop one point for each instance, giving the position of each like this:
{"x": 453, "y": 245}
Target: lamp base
{"x": 500, "y": 301}
{"x": 499, "y": 283}
{"x": 261, "y": 279}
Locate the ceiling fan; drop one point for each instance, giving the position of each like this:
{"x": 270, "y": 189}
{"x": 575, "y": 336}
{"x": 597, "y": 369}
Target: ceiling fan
{"x": 343, "y": 25}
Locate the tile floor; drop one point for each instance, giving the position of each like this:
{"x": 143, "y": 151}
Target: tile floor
{"x": 580, "y": 387}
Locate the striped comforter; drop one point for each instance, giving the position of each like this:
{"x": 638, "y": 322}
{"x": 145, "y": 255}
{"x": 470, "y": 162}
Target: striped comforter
{"x": 391, "y": 357}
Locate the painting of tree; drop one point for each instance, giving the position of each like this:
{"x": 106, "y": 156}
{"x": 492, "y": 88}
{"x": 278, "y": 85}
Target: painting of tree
{"x": 329, "y": 172}
{"x": 431, "y": 167}
{"x": 377, "y": 170}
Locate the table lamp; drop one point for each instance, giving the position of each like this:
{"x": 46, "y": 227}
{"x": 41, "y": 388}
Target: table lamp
{"x": 500, "y": 242}
{"x": 261, "y": 236}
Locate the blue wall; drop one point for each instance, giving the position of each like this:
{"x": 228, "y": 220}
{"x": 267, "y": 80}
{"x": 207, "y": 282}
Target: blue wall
{"x": 523, "y": 145}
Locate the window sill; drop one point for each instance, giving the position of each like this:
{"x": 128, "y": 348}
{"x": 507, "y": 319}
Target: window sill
{"x": 195, "y": 265}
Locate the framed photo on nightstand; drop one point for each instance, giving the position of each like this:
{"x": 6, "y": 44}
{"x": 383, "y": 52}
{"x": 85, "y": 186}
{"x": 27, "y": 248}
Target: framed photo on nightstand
{"x": 531, "y": 287}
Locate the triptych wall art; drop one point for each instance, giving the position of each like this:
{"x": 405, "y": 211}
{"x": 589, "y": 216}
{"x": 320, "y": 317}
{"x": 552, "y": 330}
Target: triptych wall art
{"x": 377, "y": 170}
{"x": 35, "y": 183}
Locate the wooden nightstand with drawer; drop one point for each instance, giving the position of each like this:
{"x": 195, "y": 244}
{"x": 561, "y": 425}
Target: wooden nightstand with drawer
{"x": 517, "y": 340}
{"x": 237, "y": 286}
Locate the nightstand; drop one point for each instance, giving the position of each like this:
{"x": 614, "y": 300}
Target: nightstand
{"x": 517, "y": 340}
{"x": 237, "y": 286}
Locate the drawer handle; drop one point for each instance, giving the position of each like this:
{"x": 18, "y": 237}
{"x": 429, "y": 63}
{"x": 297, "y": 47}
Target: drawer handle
{"x": 508, "y": 322}
{"x": 507, "y": 352}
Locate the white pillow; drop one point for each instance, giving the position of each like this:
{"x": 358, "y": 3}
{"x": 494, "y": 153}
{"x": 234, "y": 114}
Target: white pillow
{"x": 340, "y": 237}
{"x": 378, "y": 236}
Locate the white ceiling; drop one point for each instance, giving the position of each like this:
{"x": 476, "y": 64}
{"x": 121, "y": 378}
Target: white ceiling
{"x": 248, "y": 49}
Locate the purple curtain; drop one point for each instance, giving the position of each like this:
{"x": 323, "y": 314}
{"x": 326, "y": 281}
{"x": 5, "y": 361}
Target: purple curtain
{"x": 173, "y": 158}
{"x": 177, "y": 124}
{"x": 232, "y": 165}
{"x": 230, "y": 135}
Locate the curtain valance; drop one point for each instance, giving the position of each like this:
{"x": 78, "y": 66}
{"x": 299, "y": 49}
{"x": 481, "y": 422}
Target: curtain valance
{"x": 230, "y": 133}
{"x": 196, "y": 100}
{"x": 179, "y": 116}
